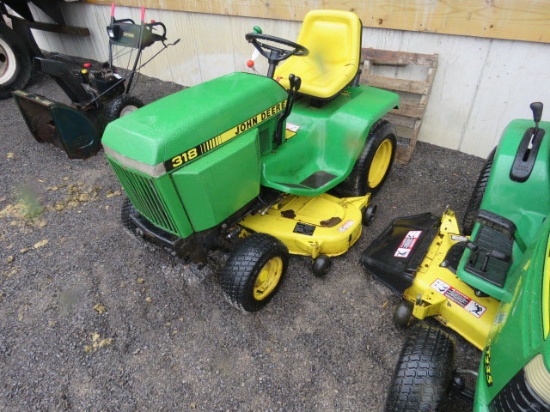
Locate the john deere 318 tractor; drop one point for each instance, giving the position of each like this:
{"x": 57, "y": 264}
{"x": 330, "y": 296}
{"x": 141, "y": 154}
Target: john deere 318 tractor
{"x": 490, "y": 283}
{"x": 246, "y": 161}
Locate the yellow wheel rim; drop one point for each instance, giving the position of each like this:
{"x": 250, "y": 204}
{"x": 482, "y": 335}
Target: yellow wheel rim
{"x": 268, "y": 278}
{"x": 380, "y": 163}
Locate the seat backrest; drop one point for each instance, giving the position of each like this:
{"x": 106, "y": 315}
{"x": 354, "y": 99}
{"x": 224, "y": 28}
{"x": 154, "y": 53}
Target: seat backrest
{"x": 333, "y": 38}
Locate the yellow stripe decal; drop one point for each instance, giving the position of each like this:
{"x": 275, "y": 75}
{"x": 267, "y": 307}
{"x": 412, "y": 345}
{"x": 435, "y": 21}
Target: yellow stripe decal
{"x": 195, "y": 152}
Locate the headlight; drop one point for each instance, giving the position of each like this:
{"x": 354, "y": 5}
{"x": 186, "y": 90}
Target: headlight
{"x": 538, "y": 378}
{"x": 113, "y": 32}
{"x": 529, "y": 390}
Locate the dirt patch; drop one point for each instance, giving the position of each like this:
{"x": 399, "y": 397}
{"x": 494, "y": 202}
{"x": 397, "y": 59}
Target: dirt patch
{"x": 92, "y": 319}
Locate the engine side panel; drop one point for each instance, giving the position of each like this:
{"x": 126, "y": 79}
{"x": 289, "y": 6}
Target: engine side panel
{"x": 221, "y": 183}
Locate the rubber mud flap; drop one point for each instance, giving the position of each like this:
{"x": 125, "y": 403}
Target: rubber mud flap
{"x": 395, "y": 255}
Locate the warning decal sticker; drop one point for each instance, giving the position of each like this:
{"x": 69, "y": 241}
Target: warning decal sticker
{"x": 346, "y": 226}
{"x": 459, "y": 298}
{"x": 407, "y": 244}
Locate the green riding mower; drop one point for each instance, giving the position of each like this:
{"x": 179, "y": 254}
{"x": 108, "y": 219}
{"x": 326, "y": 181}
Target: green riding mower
{"x": 262, "y": 166}
{"x": 98, "y": 95}
{"x": 490, "y": 284}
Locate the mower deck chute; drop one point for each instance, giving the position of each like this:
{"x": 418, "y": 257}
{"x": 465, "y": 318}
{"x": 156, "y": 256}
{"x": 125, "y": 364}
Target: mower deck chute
{"x": 395, "y": 256}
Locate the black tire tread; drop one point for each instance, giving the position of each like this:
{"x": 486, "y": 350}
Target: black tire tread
{"x": 115, "y": 106}
{"x": 423, "y": 375}
{"x": 239, "y": 274}
{"x": 474, "y": 204}
{"x": 356, "y": 183}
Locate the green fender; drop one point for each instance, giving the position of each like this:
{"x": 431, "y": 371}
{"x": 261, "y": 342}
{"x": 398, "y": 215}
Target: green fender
{"x": 521, "y": 328}
{"x": 527, "y": 203}
{"x": 328, "y": 141}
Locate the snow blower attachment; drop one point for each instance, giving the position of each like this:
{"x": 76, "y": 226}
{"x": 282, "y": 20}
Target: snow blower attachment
{"x": 98, "y": 95}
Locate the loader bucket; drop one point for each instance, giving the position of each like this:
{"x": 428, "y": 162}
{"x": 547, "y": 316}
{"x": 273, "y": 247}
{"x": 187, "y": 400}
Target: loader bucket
{"x": 76, "y": 132}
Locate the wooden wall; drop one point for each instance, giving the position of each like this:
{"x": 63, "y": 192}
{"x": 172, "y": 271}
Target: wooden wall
{"x": 482, "y": 81}
{"x": 503, "y": 19}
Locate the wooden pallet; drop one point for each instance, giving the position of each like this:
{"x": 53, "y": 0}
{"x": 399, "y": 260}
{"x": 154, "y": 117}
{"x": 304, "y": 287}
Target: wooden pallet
{"x": 411, "y": 76}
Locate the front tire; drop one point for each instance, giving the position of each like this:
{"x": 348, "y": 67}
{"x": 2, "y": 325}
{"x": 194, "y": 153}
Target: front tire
{"x": 254, "y": 272}
{"x": 15, "y": 63}
{"x": 423, "y": 376}
{"x": 121, "y": 106}
{"x": 374, "y": 163}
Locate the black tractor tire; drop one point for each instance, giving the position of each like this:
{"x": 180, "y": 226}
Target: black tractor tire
{"x": 121, "y": 106}
{"x": 423, "y": 376}
{"x": 373, "y": 164}
{"x": 254, "y": 272}
{"x": 15, "y": 62}
{"x": 474, "y": 204}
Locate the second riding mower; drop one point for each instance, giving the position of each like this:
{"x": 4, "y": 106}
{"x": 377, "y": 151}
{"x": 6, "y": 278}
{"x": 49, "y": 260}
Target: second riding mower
{"x": 246, "y": 162}
{"x": 98, "y": 95}
{"x": 490, "y": 283}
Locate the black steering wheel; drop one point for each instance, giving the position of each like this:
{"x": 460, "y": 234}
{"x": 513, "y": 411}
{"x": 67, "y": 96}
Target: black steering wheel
{"x": 274, "y": 54}
{"x": 259, "y": 40}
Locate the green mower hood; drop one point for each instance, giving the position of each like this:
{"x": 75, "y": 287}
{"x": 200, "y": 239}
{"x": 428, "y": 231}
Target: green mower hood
{"x": 206, "y": 114}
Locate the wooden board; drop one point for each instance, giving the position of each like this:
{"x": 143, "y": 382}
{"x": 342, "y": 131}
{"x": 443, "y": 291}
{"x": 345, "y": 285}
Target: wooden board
{"x": 410, "y": 75}
{"x": 501, "y": 19}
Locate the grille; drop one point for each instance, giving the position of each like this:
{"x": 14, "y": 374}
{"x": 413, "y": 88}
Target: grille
{"x": 146, "y": 198}
{"x": 517, "y": 396}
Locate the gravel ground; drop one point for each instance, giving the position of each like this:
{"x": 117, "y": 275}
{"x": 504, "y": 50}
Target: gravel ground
{"x": 92, "y": 319}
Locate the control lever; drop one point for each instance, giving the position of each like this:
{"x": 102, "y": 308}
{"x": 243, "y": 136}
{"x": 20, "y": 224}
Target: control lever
{"x": 295, "y": 84}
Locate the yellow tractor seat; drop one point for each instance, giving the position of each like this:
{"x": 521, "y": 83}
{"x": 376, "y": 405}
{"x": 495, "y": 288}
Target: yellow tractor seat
{"x": 333, "y": 38}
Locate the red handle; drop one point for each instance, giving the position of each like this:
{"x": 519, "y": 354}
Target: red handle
{"x": 142, "y": 14}
{"x": 113, "y": 9}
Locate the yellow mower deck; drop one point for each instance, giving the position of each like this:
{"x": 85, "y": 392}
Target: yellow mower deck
{"x": 437, "y": 291}
{"x": 312, "y": 226}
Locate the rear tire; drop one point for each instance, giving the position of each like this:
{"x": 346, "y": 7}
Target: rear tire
{"x": 374, "y": 163}
{"x": 423, "y": 376}
{"x": 477, "y": 195}
{"x": 254, "y": 272}
{"x": 15, "y": 62}
{"x": 121, "y": 106}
